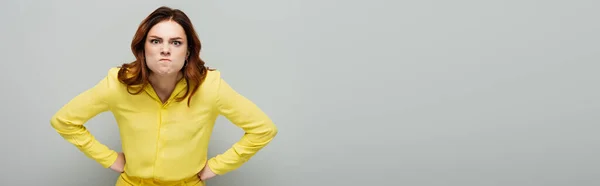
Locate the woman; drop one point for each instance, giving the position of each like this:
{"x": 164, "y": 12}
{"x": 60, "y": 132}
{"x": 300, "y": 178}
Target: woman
{"x": 165, "y": 104}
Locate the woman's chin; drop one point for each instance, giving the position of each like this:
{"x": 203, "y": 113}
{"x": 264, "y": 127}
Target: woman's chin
{"x": 164, "y": 72}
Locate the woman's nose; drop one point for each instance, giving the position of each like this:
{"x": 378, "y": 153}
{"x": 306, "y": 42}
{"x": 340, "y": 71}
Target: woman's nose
{"x": 165, "y": 50}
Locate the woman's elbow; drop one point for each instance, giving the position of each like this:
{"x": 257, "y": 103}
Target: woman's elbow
{"x": 62, "y": 125}
{"x": 272, "y": 132}
{"x": 55, "y": 122}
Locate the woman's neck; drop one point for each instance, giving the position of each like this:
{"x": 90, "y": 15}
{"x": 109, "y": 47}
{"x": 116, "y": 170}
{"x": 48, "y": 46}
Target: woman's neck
{"x": 164, "y": 85}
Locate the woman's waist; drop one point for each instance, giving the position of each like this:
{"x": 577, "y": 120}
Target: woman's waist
{"x": 164, "y": 168}
{"x": 159, "y": 180}
{"x": 164, "y": 154}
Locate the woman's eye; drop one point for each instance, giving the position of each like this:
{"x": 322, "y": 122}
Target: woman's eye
{"x": 177, "y": 43}
{"x": 154, "y": 41}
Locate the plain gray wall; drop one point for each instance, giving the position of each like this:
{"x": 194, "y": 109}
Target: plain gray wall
{"x": 419, "y": 93}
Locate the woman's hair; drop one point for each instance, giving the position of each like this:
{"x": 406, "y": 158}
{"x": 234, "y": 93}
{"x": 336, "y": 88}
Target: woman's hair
{"x": 135, "y": 74}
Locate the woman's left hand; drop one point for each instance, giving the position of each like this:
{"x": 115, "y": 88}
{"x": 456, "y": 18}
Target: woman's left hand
{"x": 206, "y": 173}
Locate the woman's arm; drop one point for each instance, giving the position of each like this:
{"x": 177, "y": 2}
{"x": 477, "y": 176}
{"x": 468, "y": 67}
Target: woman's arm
{"x": 258, "y": 127}
{"x": 69, "y": 120}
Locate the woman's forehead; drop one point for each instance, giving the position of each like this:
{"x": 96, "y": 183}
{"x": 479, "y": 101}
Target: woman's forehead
{"x": 167, "y": 30}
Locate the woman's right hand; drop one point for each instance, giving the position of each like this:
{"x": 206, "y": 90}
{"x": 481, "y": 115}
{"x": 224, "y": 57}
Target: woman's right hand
{"x": 119, "y": 164}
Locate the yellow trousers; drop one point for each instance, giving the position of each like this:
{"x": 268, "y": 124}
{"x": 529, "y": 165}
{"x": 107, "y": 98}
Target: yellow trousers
{"x": 125, "y": 180}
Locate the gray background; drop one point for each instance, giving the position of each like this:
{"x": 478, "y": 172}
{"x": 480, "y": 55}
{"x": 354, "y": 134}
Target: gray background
{"x": 417, "y": 93}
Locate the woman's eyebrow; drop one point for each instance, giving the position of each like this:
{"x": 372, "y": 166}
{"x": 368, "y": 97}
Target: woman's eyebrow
{"x": 175, "y": 38}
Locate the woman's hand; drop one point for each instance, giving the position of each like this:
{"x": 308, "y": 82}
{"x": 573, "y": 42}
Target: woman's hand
{"x": 119, "y": 164}
{"x": 206, "y": 173}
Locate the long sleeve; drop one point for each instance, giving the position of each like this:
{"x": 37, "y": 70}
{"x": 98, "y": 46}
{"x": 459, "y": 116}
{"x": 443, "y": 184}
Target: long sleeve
{"x": 69, "y": 120}
{"x": 258, "y": 127}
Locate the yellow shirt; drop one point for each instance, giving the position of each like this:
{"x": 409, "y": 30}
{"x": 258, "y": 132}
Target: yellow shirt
{"x": 165, "y": 141}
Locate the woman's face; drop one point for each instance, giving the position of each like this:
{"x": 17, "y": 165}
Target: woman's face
{"x": 166, "y": 48}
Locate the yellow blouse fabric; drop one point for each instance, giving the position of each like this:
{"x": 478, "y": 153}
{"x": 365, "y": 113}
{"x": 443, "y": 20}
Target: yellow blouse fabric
{"x": 165, "y": 141}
